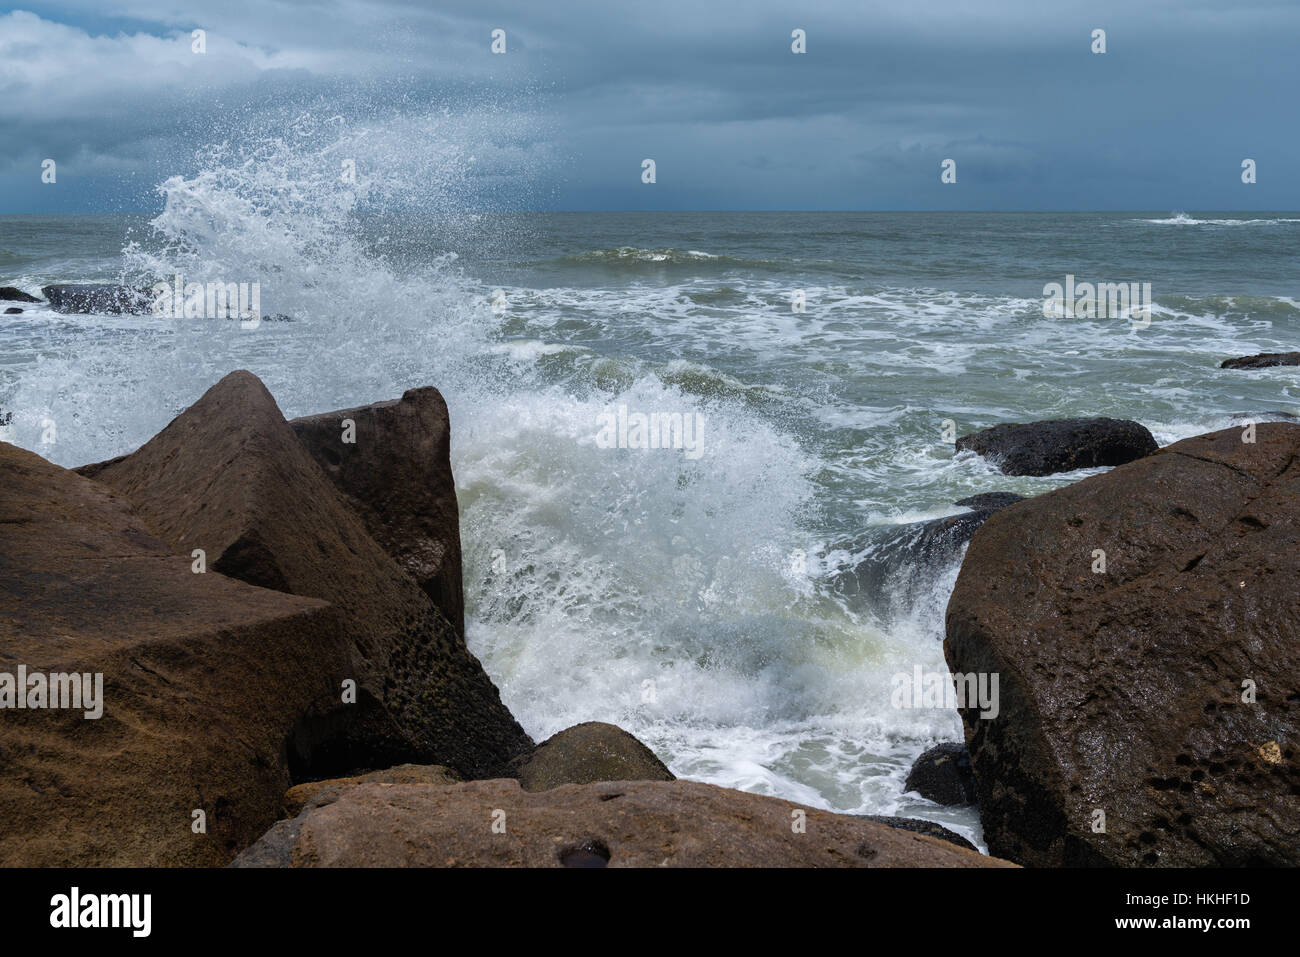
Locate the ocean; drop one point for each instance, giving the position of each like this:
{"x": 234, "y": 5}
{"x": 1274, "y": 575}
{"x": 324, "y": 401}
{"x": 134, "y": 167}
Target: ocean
{"x": 825, "y": 360}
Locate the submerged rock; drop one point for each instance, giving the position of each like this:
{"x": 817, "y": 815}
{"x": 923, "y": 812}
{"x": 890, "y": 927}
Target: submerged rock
{"x": 901, "y": 567}
{"x": 97, "y": 298}
{"x": 13, "y": 294}
{"x": 943, "y": 775}
{"x": 586, "y": 753}
{"x": 1263, "y": 360}
{"x": 12, "y": 311}
{"x": 1060, "y": 445}
{"x": 623, "y": 824}
{"x": 1158, "y": 698}
{"x": 905, "y": 561}
{"x": 230, "y": 476}
{"x": 203, "y": 680}
{"x": 393, "y": 467}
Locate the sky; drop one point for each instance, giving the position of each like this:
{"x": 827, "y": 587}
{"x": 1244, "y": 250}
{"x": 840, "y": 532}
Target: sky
{"x": 586, "y": 90}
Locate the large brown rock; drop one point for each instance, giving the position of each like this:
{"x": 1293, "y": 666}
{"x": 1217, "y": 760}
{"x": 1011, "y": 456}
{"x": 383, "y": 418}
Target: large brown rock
{"x": 1123, "y": 692}
{"x": 230, "y": 476}
{"x": 395, "y": 473}
{"x": 586, "y": 753}
{"x": 623, "y": 824}
{"x": 322, "y": 792}
{"x": 204, "y": 679}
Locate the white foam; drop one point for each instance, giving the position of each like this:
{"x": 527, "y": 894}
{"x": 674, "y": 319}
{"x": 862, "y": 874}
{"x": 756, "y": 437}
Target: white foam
{"x": 590, "y": 571}
{"x": 1182, "y": 219}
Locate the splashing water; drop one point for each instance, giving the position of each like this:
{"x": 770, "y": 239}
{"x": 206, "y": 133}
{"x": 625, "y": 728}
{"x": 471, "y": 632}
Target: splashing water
{"x": 686, "y": 600}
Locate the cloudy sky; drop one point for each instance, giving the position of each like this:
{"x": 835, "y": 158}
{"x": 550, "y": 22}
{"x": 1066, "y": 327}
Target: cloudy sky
{"x": 588, "y": 89}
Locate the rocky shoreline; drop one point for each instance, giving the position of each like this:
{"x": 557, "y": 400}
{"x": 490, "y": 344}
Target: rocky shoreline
{"x": 276, "y": 611}
{"x": 1142, "y": 625}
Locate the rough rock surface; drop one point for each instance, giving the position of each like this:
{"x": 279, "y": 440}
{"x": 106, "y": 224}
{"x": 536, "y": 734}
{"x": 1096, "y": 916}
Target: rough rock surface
{"x": 1060, "y": 445}
{"x": 13, "y": 294}
{"x": 586, "y": 753}
{"x": 99, "y": 299}
{"x": 918, "y": 826}
{"x": 1262, "y": 361}
{"x": 1123, "y": 692}
{"x": 318, "y": 793}
{"x": 230, "y": 477}
{"x": 619, "y": 824}
{"x": 990, "y": 500}
{"x": 943, "y": 775}
{"x": 396, "y": 475}
{"x": 204, "y": 678}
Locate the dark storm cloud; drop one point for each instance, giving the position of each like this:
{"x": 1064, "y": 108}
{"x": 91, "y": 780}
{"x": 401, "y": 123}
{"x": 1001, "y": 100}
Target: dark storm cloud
{"x": 710, "y": 91}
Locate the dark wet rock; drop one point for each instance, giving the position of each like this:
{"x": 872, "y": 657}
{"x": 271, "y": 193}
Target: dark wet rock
{"x": 93, "y": 469}
{"x": 13, "y": 294}
{"x": 918, "y": 826}
{"x": 230, "y": 476}
{"x": 901, "y": 566}
{"x": 586, "y": 753}
{"x": 1161, "y": 693}
{"x": 395, "y": 473}
{"x": 1060, "y": 445}
{"x": 274, "y": 848}
{"x": 990, "y": 500}
{"x": 943, "y": 774}
{"x": 12, "y": 311}
{"x": 904, "y": 560}
{"x": 98, "y": 298}
{"x": 1263, "y": 360}
{"x": 622, "y": 824}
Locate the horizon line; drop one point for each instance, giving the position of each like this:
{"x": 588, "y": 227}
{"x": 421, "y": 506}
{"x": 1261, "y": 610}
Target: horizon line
{"x": 489, "y": 212}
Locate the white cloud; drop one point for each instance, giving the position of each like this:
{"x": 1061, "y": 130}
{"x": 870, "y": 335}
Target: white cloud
{"x": 50, "y": 69}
